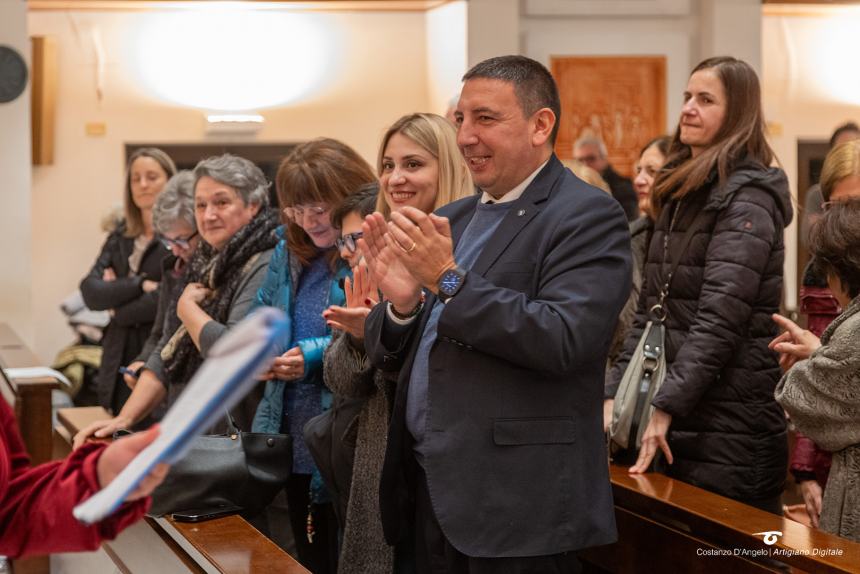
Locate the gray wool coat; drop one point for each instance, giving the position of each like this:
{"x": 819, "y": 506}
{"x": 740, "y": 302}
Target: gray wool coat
{"x": 347, "y": 373}
{"x": 822, "y": 397}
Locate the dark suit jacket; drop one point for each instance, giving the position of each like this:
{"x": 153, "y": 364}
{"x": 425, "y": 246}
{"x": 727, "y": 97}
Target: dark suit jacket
{"x": 516, "y": 463}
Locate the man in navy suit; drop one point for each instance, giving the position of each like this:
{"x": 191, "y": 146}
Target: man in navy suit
{"x": 499, "y": 313}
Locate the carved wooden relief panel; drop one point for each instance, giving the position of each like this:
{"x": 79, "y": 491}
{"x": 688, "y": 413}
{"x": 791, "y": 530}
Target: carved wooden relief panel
{"x": 621, "y": 100}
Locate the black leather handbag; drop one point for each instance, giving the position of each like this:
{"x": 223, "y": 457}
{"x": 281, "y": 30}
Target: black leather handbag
{"x": 238, "y": 468}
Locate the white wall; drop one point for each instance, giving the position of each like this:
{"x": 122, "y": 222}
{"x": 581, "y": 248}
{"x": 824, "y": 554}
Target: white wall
{"x": 808, "y": 83}
{"x": 15, "y": 269}
{"x": 446, "y": 53}
{"x": 389, "y": 64}
{"x": 379, "y": 73}
{"x": 684, "y": 31}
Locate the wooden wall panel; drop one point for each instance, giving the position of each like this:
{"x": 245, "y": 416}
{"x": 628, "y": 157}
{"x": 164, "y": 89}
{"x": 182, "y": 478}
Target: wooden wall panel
{"x": 622, "y": 100}
{"x": 43, "y": 96}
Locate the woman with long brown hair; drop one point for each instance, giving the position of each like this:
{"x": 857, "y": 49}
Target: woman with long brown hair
{"x": 714, "y": 271}
{"x": 126, "y": 274}
{"x": 303, "y": 280}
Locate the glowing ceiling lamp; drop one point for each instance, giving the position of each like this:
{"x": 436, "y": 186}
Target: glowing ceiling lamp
{"x": 229, "y": 58}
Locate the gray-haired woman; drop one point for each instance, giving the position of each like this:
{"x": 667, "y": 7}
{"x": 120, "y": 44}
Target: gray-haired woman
{"x": 239, "y": 235}
{"x": 173, "y": 220}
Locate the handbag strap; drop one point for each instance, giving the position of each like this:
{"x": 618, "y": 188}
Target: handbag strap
{"x": 232, "y": 428}
{"x": 658, "y": 311}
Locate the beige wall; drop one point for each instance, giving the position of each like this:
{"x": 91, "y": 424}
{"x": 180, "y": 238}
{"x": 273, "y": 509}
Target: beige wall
{"x": 389, "y": 64}
{"x": 15, "y": 294}
{"x": 809, "y": 81}
{"x": 382, "y": 74}
{"x": 446, "y": 53}
{"x": 684, "y": 31}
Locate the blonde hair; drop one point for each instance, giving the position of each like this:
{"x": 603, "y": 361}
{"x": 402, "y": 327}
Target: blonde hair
{"x": 843, "y": 161}
{"x": 436, "y": 135}
{"x": 586, "y": 174}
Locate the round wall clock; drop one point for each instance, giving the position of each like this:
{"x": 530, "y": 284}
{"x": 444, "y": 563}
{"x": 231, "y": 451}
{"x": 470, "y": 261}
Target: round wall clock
{"x": 13, "y": 74}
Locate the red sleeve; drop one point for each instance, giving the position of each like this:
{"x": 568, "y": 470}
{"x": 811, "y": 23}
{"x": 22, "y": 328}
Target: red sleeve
{"x": 36, "y": 503}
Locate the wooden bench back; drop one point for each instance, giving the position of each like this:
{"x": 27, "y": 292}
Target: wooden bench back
{"x": 666, "y": 525}
{"x": 226, "y": 545}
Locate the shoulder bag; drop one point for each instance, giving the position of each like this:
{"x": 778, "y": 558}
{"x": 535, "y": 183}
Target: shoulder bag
{"x": 646, "y": 371}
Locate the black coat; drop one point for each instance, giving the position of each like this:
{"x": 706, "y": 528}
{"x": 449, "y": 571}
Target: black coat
{"x": 728, "y": 433}
{"x": 134, "y": 310}
{"x": 623, "y": 192}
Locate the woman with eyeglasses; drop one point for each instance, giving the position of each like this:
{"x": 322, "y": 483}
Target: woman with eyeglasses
{"x": 421, "y": 166}
{"x": 303, "y": 280}
{"x": 173, "y": 219}
{"x": 126, "y": 274}
{"x": 239, "y": 234}
{"x": 651, "y": 160}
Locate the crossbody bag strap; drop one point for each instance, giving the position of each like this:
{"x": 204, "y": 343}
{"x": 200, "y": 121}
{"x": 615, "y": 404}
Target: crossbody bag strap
{"x": 658, "y": 311}
{"x": 654, "y": 345}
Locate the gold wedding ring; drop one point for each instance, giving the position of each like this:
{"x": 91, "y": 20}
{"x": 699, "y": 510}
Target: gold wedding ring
{"x": 411, "y": 248}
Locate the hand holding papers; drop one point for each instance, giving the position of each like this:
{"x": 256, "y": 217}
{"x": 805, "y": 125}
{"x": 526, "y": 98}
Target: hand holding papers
{"x": 232, "y": 368}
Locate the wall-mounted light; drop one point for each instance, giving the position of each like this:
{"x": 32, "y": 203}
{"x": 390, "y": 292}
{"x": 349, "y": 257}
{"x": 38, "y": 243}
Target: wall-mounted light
{"x": 232, "y": 58}
{"x": 830, "y": 51}
{"x": 233, "y": 124}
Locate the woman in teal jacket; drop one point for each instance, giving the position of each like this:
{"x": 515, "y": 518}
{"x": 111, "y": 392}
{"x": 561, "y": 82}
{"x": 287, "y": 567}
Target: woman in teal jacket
{"x": 303, "y": 280}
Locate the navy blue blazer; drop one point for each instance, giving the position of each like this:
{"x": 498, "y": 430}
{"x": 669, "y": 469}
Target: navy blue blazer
{"x": 516, "y": 463}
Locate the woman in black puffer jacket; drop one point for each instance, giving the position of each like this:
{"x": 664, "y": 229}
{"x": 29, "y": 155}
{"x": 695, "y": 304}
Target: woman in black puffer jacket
{"x": 715, "y": 416}
{"x": 126, "y": 274}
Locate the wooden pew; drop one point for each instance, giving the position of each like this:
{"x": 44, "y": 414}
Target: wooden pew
{"x": 226, "y": 545}
{"x": 666, "y": 525}
{"x": 31, "y": 398}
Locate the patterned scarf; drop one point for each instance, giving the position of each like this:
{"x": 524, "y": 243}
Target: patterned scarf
{"x": 222, "y": 272}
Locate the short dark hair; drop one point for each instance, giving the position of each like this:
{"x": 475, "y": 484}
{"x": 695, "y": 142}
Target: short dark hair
{"x": 835, "y": 244}
{"x": 362, "y": 201}
{"x": 533, "y": 84}
{"x": 846, "y": 127}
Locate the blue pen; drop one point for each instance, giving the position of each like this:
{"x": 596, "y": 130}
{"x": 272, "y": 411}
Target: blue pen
{"x": 127, "y": 371}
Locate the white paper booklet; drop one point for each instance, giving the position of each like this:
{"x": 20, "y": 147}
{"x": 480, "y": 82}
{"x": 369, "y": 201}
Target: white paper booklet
{"x": 232, "y": 368}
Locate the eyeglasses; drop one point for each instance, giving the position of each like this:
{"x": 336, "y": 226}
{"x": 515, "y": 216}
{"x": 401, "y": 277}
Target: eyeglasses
{"x": 833, "y": 203}
{"x": 181, "y": 243}
{"x": 297, "y": 212}
{"x": 586, "y": 159}
{"x": 349, "y": 241}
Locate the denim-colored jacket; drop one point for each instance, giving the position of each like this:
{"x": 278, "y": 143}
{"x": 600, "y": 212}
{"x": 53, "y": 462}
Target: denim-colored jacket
{"x": 279, "y": 290}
